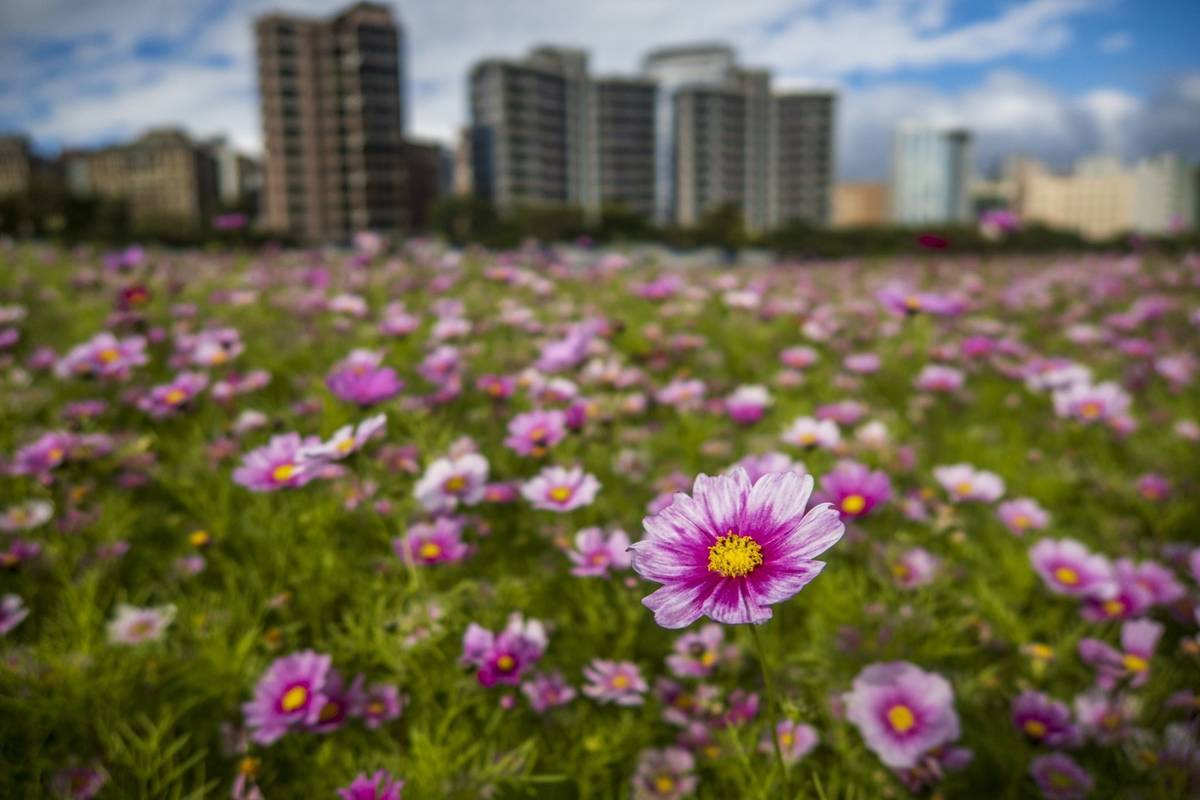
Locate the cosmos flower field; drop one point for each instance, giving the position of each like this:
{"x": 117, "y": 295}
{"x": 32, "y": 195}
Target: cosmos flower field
{"x": 419, "y": 523}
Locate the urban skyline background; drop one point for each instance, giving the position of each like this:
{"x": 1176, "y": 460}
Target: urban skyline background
{"x": 1054, "y": 79}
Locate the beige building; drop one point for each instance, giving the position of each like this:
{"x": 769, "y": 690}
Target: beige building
{"x": 163, "y": 176}
{"x": 333, "y": 123}
{"x": 860, "y": 204}
{"x": 1096, "y": 199}
{"x": 16, "y": 164}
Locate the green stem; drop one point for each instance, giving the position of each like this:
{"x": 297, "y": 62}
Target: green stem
{"x": 772, "y": 702}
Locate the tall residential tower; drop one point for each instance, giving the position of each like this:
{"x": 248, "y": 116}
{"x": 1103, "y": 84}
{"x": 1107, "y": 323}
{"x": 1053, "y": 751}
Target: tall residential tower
{"x": 333, "y": 123}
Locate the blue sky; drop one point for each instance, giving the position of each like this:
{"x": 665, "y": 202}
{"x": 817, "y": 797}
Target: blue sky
{"x": 1051, "y": 78}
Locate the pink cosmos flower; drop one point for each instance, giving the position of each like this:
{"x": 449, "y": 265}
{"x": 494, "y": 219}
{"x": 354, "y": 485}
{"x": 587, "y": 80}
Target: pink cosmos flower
{"x": 796, "y": 740}
{"x": 733, "y": 549}
{"x": 798, "y": 357}
{"x": 170, "y": 398}
{"x": 1067, "y": 567}
{"x": 940, "y": 378}
{"x": 504, "y": 657}
{"x": 380, "y": 786}
{"x": 854, "y": 490}
{"x": 862, "y": 363}
{"x": 42, "y": 455}
{"x": 133, "y": 625}
{"x": 560, "y": 489}
{"x": 1059, "y": 778}
{"x": 1132, "y": 595}
{"x": 1103, "y": 402}
{"x": 594, "y": 554}
{"x": 1153, "y": 487}
{"x": 79, "y": 782}
{"x": 965, "y": 483}
{"x": 618, "y": 682}
{"x": 808, "y": 432}
{"x": 103, "y": 356}
{"x": 379, "y": 704}
{"x": 213, "y": 347}
{"x": 747, "y": 404}
{"x": 1045, "y": 720}
{"x": 360, "y": 379}
{"x": 447, "y": 482}
{"x": 760, "y": 464}
{"x": 341, "y": 700}
{"x": 683, "y": 394}
{"x": 1021, "y": 515}
{"x": 26, "y": 516}
{"x": 1106, "y": 718}
{"x": 439, "y": 542}
{"x": 666, "y": 774}
{"x": 12, "y": 612}
{"x": 902, "y": 712}
{"x": 1139, "y": 639}
{"x": 696, "y": 654}
{"x": 290, "y": 694}
{"x": 535, "y": 432}
{"x": 346, "y": 440}
{"x": 916, "y": 567}
{"x": 277, "y": 464}
{"x": 547, "y": 691}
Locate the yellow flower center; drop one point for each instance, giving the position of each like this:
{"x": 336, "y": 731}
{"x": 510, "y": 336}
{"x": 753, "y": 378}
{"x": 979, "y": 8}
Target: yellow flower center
{"x": 283, "y": 472}
{"x": 901, "y": 718}
{"x": 294, "y": 698}
{"x": 620, "y": 682}
{"x": 664, "y": 784}
{"x": 430, "y": 550}
{"x": 912, "y": 302}
{"x": 109, "y": 355}
{"x": 1021, "y": 522}
{"x": 1114, "y": 608}
{"x": 346, "y": 445}
{"x": 1035, "y": 728}
{"x": 1089, "y": 410}
{"x": 175, "y": 397}
{"x": 709, "y": 658}
{"x": 538, "y": 434}
{"x": 734, "y": 556}
{"x": 199, "y": 538}
{"x": 808, "y": 438}
{"x": 854, "y": 504}
{"x": 506, "y": 663}
{"x": 1135, "y": 663}
{"x": 787, "y": 739}
{"x": 560, "y": 494}
{"x": 375, "y": 707}
{"x": 218, "y": 357}
{"x": 248, "y": 766}
{"x": 963, "y": 487}
{"x": 1066, "y": 575}
{"x": 455, "y": 484}
{"x": 56, "y": 454}
{"x": 1041, "y": 651}
{"x": 329, "y": 711}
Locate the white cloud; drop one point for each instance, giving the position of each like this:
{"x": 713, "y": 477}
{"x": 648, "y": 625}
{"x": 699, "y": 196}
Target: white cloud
{"x": 1116, "y": 43}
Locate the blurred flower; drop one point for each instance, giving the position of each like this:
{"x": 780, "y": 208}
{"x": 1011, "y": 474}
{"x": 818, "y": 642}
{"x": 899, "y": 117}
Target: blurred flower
{"x": 618, "y": 682}
{"x": 560, "y": 489}
{"x": 1059, "y": 778}
{"x": 902, "y": 712}
{"x": 594, "y": 554}
{"x": 506, "y": 656}
{"x": 290, "y": 694}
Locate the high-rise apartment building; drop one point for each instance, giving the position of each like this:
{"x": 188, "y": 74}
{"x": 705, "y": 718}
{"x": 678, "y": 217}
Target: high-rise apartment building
{"x": 800, "y": 181}
{"x": 931, "y": 175}
{"x": 163, "y": 176}
{"x": 332, "y": 94}
{"x": 625, "y": 143}
{"x": 694, "y": 133}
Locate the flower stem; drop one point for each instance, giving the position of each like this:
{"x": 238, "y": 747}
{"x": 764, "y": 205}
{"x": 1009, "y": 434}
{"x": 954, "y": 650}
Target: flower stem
{"x": 772, "y": 702}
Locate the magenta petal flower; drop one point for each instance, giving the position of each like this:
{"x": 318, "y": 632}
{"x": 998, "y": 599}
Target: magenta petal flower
{"x": 535, "y": 432}
{"x": 1022, "y": 514}
{"x": 617, "y": 682}
{"x": 361, "y": 379}
{"x": 380, "y": 786}
{"x": 902, "y": 711}
{"x": 288, "y": 695}
{"x": 1060, "y": 778}
{"x": 732, "y": 550}
{"x": 438, "y": 542}
{"x": 595, "y": 554}
{"x": 796, "y": 740}
{"x": 666, "y": 774}
{"x": 853, "y": 489}
{"x": 1045, "y": 720}
{"x": 1067, "y": 567}
{"x": 277, "y": 464}
{"x": 561, "y": 489}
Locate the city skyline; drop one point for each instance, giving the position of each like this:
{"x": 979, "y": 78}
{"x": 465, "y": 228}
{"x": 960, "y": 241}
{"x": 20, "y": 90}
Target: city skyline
{"x": 1056, "y": 79}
